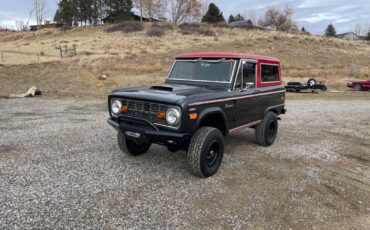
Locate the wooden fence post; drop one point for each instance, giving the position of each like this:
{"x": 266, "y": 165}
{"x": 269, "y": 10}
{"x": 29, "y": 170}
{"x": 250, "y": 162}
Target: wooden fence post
{"x": 2, "y": 56}
{"x": 74, "y": 49}
{"x": 61, "y": 51}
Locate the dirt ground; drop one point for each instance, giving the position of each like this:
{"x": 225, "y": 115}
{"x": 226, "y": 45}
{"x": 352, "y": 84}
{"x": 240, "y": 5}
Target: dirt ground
{"x": 60, "y": 166}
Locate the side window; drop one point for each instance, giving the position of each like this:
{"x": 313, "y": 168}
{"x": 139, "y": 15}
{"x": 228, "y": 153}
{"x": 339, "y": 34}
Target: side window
{"x": 249, "y": 74}
{"x": 246, "y": 74}
{"x": 269, "y": 73}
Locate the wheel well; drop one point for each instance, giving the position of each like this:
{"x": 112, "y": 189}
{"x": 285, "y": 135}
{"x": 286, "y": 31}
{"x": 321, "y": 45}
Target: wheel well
{"x": 272, "y": 110}
{"x": 216, "y": 121}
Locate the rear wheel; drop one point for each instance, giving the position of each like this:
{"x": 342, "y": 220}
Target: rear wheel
{"x": 130, "y": 147}
{"x": 358, "y": 87}
{"x": 267, "y": 130}
{"x": 206, "y": 151}
{"x": 311, "y": 82}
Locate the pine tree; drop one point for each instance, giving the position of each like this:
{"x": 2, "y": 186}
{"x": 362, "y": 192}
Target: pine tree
{"x": 239, "y": 18}
{"x": 368, "y": 36}
{"x": 330, "y": 31}
{"x": 119, "y": 10}
{"x": 85, "y": 8}
{"x": 213, "y": 15}
{"x": 231, "y": 19}
{"x": 67, "y": 12}
{"x": 303, "y": 29}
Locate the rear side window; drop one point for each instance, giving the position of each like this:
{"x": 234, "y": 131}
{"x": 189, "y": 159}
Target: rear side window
{"x": 270, "y": 73}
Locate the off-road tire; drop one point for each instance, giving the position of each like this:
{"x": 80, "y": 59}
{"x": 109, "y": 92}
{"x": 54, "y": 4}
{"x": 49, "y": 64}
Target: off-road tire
{"x": 357, "y": 87}
{"x": 130, "y": 147}
{"x": 263, "y": 135}
{"x": 311, "y": 82}
{"x": 205, "y": 139}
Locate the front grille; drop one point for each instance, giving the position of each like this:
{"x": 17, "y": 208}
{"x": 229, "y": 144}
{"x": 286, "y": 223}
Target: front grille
{"x": 144, "y": 110}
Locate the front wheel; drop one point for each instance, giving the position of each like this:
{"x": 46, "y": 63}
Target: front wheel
{"x": 267, "y": 130}
{"x": 206, "y": 151}
{"x": 358, "y": 87}
{"x": 130, "y": 147}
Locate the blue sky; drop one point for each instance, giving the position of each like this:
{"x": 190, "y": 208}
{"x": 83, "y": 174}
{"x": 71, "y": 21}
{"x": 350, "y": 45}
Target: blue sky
{"x": 314, "y": 15}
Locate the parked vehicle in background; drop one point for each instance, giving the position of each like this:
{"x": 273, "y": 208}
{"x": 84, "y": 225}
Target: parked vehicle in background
{"x": 359, "y": 85}
{"x": 205, "y": 97}
{"x": 311, "y": 85}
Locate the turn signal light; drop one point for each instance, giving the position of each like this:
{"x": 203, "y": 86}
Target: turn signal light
{"x": 193, "y": 116}
{"x": 161, "y": 115}
{"x": 124, "y": 109}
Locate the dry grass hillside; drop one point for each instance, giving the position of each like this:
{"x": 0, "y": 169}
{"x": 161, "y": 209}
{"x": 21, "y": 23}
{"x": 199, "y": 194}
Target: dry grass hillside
{"x": 136, "y": 58}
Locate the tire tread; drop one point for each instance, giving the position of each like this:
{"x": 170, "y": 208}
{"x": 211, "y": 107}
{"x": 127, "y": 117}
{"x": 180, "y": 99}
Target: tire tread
{"x": 195, "y": 149}
{"x": 260, "y": 129}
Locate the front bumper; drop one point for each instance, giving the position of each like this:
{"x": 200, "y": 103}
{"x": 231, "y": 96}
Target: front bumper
{"x": 153, "y": 135}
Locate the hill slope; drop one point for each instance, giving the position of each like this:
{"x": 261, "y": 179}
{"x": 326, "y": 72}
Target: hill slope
{"x": 33, "y": 58}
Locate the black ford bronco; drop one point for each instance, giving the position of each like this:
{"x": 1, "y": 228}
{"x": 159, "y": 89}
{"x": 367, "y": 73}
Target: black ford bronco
{"x": 205, "y": 97}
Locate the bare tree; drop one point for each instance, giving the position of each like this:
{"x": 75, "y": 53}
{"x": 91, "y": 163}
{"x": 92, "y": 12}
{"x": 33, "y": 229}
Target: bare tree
{"x": 185, "y": 10}
{"x": 251, "y": 15}
{"x": 275, "y": 18}
{"x": 39, "y": 7}
{"x": 140, "y": 5}
{"x": 151, "y": 8}
{"x": 19, "y": 25}
{"x": 29, "y": 17}
{"x": 361, "y": 29}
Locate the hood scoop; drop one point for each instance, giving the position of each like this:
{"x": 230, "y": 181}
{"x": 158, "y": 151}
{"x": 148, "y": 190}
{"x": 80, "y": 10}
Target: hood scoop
{"x": 162, "y": 88}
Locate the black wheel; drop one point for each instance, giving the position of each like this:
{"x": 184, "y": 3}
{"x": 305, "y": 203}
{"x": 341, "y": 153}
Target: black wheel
{"x": 130, "y": 147}
{"x": 206, "y": 151}
{"x": 267, "y": 130}
{"x": 358, "y": 87}
{"x": 311, "y": 82}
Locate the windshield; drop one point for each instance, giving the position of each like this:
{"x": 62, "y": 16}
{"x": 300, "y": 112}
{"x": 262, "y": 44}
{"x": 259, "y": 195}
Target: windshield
{"x": 203, "y": 70}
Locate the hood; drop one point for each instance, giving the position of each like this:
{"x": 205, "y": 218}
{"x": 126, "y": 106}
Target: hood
{"x": 168, "y": 93}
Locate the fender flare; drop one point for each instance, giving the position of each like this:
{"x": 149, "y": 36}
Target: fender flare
{"x": 211, "y": 111}
{"x": 275, "y": 108}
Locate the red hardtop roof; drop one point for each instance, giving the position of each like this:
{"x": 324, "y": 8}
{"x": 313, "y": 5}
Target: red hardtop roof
{"x": 226, "y": 55}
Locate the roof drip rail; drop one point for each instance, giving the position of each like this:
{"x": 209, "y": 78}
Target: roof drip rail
{"x": 216, "y": 61}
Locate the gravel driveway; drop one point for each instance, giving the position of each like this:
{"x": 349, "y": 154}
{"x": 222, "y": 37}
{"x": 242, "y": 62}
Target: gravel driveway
{"x": 60, "y": 166}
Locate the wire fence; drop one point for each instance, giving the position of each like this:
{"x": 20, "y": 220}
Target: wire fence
{"x": 17, "y": 56}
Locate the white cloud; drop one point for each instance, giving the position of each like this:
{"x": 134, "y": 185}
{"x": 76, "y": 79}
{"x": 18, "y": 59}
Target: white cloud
{"x": 319, "y": 17}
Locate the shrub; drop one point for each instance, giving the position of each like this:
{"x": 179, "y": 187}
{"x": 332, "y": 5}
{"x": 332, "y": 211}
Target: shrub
{"x": 155, "y": 32}
{"x": 185, "y": 26}
{"x": 127, "y": 27}
{"x": 65, "y": 28}
{"x": 223, "y": 25}
{"x": 207, "y": 32}
{"x": 197, "y": 30}
{"x": 163, "y": 25}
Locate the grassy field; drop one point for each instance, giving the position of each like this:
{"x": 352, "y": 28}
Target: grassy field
{"x": 33, "y": 58}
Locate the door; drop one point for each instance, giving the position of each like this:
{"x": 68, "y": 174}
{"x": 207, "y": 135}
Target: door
{"x": 246, "y": 105}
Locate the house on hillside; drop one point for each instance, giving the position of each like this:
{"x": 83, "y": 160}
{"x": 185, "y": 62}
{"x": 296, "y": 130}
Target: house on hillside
{"x": 248, "y": 24}
{"x": 46, "y": 24}
{"x": 350, "y": 36}
{"x": 242, "y": 23}
{"x": 135, "y": 15}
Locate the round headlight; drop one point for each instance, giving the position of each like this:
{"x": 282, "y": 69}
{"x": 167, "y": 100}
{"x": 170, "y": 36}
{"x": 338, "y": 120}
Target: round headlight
{"x": 116, "y": 107}
{"x": 173, "y": 116}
